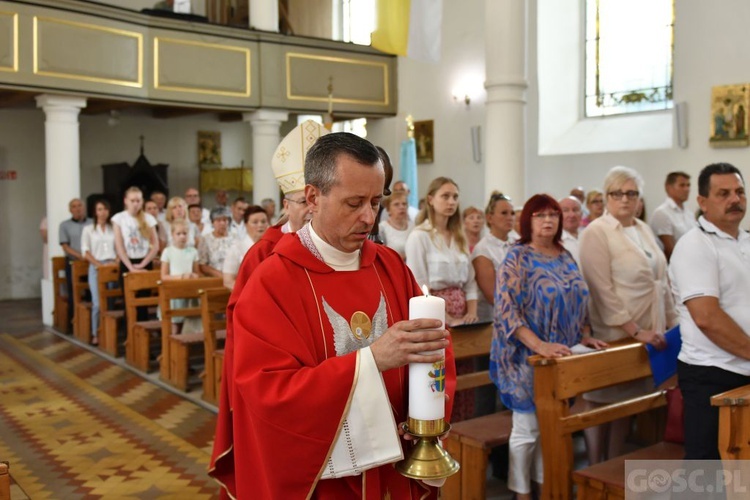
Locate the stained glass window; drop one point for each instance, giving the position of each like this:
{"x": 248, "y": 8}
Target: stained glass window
{"x": 629, "y": 47}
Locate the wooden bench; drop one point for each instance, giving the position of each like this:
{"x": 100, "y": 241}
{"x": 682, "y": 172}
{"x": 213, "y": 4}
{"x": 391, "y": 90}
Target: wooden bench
{"x": 558, "y": 380}
{"x": 176, "y": 349}
{"x": 4, "y": 481}
{"x": 734, "y": 423}
{"x": 140, "y": 335}
{"x": 109, "y": 319}
{"x": 213, "y": 314}
{"x": 471, "y": 441}
{"x": 81, "y": 308}
{"x": 60, "y": 318}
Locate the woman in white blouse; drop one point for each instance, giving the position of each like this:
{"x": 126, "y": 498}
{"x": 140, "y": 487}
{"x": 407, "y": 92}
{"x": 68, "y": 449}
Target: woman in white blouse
{"x": 256, "y": 223}
{"x": 177, "y": 210}
{"x": 491, "y": 249}
{"x": 438, "y": 256}
{"x": 98, "y": 247}
{"x": 397, "y": 228}
{"x": 626, "y": 272}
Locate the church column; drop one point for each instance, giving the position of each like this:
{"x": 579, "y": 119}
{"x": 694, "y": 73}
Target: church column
{"x": 266, "y": 137}
{"x": 62, "y": 174}
{"x": 505, "y": 66}
{"x": 264, "y": 15}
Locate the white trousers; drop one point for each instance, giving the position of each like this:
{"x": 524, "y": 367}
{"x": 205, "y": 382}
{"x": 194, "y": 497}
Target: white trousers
{"x": 525, "y": 453}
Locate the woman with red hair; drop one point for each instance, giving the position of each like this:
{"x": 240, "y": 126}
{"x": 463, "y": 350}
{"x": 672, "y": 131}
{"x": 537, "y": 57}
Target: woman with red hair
{"x": 541, "y": 307}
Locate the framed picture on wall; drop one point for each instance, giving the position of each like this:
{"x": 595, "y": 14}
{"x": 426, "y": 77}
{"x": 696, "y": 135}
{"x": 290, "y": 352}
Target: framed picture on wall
{"x": 729, "y": 116}
{"x": 425, "y": 141}
{"x": 209, "y": 148}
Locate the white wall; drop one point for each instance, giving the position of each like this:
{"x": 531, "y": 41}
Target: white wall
{"x": 425, "y": 92}
{"x": 22, "y": 202}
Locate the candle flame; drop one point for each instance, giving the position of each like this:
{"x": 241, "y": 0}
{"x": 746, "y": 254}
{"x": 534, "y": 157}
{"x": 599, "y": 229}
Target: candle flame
{"x": 425, "y": 290}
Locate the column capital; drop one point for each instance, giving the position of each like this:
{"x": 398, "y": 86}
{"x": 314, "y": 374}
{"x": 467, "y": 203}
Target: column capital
{"x": 49, "y": 101}
{"x": 266, "y": 115}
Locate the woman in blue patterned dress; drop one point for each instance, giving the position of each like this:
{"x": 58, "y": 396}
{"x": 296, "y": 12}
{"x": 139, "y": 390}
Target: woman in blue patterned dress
{"x": 541, "y": 307}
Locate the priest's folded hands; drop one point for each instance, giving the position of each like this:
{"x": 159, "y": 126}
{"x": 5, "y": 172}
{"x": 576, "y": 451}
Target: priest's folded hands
{"x": 410, "y": 342}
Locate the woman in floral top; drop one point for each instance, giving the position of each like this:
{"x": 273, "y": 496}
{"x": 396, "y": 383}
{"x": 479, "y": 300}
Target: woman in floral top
{"x": 214, "y": 246}
{"x": 541, "y": 307}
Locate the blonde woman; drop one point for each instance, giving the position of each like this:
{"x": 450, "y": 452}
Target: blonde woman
{"x": 595, "y": 207}
{"x": 177, "y": 210}
{"x": 395, "y": 231}
{"x": 438, "y": 256}
{"x": 136, "y": 242}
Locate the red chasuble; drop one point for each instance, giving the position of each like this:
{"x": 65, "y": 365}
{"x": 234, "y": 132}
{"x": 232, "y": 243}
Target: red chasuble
{"x": 221, "y": 467}
{"x": 291, "y": 389}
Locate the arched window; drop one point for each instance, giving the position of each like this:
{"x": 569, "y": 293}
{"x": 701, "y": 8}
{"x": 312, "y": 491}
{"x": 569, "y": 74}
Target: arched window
{"x": 629, "y": 47}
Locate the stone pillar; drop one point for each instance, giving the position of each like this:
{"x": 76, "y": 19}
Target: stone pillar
{"x": 266, "y": 138}
{"x": 62, "y": 173}
{"x": 505, "y": 127}
{"x": 264, "y": 15}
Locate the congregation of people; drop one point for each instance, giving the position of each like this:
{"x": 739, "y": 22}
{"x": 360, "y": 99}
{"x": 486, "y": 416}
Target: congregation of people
{"x": 554, "y": 275}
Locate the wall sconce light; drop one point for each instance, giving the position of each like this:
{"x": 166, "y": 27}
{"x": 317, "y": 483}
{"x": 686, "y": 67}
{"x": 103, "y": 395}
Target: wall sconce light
{"x": 114, "y": 118}
{"x": 457, "y": 96}
{"x": 462, "y": 95}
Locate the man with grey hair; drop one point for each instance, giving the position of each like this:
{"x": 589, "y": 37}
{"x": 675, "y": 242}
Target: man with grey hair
{"x": 70, "y": 240}
{"x": 269, "y": 206}
{"x": 571, "y": 215}
{"x": 322, "y": 343}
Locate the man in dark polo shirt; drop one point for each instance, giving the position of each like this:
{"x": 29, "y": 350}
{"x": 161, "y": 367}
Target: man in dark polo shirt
{"x": 70, "y": 241}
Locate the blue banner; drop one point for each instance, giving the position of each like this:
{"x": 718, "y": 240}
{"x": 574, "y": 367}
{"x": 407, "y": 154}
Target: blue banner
{"x": 408, "y": 167}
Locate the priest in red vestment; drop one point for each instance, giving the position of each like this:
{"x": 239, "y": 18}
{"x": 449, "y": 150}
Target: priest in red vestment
{"x": 322, "y": 346}
{"x": 288, "y": 168}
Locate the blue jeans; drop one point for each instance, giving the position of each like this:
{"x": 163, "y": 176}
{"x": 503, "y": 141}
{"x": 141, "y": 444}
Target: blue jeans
{"x": 94, "y": 287}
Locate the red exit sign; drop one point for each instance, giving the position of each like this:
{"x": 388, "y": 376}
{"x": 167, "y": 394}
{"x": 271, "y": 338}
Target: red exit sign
{"x": 8, "y": 175}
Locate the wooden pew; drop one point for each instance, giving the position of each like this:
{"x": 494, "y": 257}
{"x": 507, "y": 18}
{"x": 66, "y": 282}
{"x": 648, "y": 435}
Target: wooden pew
{"x": 139, "y": 333}
{"x": 176, "y": 349}
{"x": 734, "y": 423}
{"x": 60, "y": 318}
{"x": 4, "y": 481}
{"x": 109, "y": 319}
{"x": 470, "y": 441}
{"x": 558, "y": 380}
{"x": 81, "y": 308}
{"x": 213, "y": 313}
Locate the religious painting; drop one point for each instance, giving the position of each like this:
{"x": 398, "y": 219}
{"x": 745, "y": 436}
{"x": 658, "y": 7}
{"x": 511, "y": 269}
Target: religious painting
{"x": 424, "y": 139}
{"x": 729, "y": 116}
{"x": 209, "y": 148}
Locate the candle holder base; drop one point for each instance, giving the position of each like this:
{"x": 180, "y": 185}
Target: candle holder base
{"x": 427, "y": 459}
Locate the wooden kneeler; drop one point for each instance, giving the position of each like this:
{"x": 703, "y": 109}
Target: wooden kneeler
{"x": 60, "y": 318}
{"x": 176, "y": 349}
{"x": 213, "y": 314}
{"x": 81, "y": 308}
{"x": 134, "y": 345}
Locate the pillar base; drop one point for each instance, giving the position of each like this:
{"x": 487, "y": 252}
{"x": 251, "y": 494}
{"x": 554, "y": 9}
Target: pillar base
{"x": 48, "y": 302}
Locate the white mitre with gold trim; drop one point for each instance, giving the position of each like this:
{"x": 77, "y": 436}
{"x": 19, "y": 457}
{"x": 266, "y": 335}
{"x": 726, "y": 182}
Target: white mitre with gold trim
{"x": 288, "y": 161}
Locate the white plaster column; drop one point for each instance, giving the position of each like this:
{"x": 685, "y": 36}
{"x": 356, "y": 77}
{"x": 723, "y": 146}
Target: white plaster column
{"x": 266, "y": 138}
{"x": 505, "y": 126}
{"x": 62, "y": 174}
{"x": 264, "y": 15}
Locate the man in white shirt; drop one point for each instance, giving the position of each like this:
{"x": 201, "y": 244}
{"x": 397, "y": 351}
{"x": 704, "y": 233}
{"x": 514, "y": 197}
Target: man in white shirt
{"x": 193, "y": 197}
{"x": 572, "y": 215}
{"x": 237, "y": 224}
{"x": 710, "y": 275}
{"x": 672, "y": 219}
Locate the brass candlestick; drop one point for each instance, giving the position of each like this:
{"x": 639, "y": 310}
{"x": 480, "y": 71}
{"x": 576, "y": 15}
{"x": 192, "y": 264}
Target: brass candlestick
{"x": 427, "y": 459}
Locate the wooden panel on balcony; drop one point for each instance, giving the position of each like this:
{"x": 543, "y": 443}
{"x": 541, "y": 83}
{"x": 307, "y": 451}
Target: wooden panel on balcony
{"x": 190, "y": 66}
{"x": 8, "y": 41}
{"x": 88, "y": 52}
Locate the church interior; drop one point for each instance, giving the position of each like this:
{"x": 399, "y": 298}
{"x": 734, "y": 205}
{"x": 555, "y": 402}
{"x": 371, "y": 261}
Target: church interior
{"x": 99, "y": 94}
